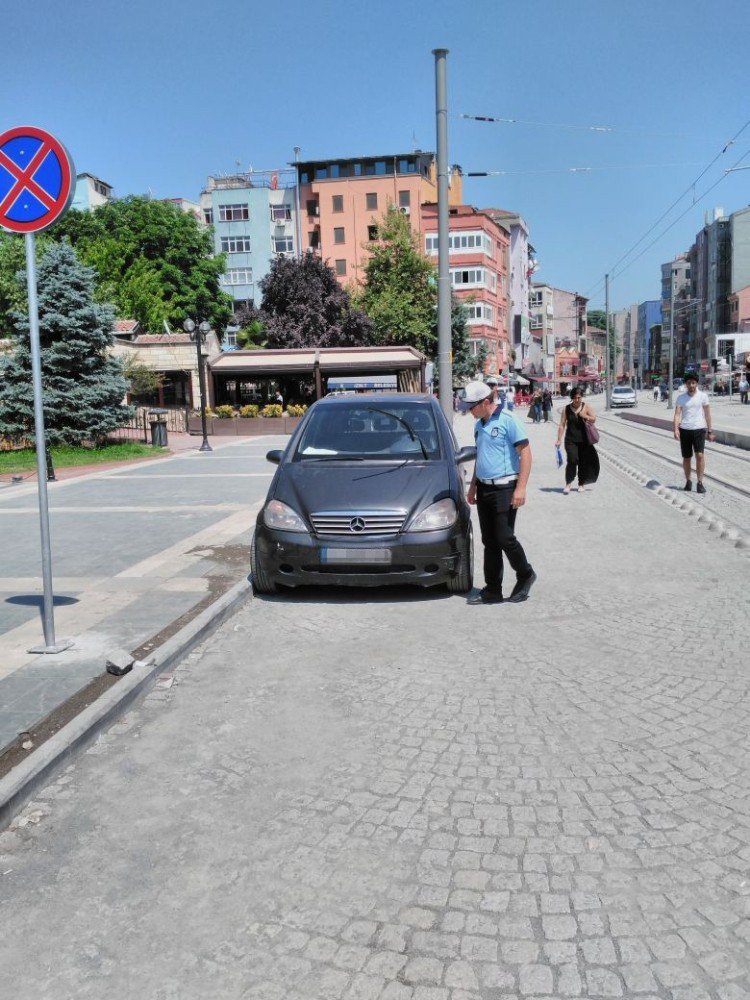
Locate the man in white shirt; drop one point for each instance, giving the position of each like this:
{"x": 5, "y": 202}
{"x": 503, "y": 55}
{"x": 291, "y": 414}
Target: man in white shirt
{"x": 692, "y": 424}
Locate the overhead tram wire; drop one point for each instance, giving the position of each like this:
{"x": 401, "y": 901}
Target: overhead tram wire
{"x": 574, "y": 170}
{"x": 688, "y": 189}
{"x": 674, "y": 222}
{"x": 606, "y": 129}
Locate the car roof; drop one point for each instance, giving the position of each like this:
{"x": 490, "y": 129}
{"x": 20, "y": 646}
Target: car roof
{"x": 394, "y": 398}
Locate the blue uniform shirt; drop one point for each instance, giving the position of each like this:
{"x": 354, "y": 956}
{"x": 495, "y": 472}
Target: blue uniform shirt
{"x": 496, "y": 442}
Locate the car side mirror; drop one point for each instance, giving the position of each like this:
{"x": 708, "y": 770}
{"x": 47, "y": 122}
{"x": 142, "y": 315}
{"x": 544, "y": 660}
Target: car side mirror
{"x": 274, "y": 456}
{"x": 467, "y": 454}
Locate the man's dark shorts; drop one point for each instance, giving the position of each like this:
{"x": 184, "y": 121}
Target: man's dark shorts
{"x": 692, "y": 441}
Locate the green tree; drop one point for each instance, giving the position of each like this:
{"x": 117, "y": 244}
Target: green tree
{"x": 465, "y": 365}
{"x": 13, "y": 293}
{"x": 83, "y": 386}
{"x": 597, "y": 318}
{"x": 152, "y": 260}
{"x": 251, "y": 335}
{"x": 400, "y": 289}
{"x": 304, "y": 306}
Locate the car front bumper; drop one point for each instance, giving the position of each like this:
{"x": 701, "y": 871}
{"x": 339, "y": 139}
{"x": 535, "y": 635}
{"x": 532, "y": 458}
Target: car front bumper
{"x": 294, "y": 559}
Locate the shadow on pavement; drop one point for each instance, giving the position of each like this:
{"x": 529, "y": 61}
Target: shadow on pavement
{"x": 385, "y": 594}
{"x": 37, "y": 601}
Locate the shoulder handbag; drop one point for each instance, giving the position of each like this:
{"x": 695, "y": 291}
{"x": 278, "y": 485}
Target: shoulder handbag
{"x": 592, "y": 434}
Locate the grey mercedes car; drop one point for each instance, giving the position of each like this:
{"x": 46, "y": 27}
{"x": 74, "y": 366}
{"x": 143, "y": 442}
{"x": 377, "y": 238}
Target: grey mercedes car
{"x": 369, "y": 491}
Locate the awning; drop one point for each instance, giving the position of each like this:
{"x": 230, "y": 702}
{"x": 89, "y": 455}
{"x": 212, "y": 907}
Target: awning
{"x": 330, "y": 360}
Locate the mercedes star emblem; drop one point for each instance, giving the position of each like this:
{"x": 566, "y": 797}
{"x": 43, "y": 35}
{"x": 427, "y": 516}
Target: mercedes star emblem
{"x": 357, "y": 524}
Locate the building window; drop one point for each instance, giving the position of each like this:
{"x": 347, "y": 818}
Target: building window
{"x": 312, "y": 207}
{"x": 340, "y": 268}
{"x": 404, "y": 199}
{"x": 479, "y": 312}
{"x": 338, "y": 235}
{"x": 338, "y": 202}
{"x": 230, "y": 339}
{"x": 474, "y": 276}
{"x": 208, "y": 216}
{"x": 460, "y": 242}
{"x": 281, "y": 213}
{"x": 235, "y": 244}
{"x": 372, "y": 233}
{"x": 314, "y": 239}
{"x": 371, "y": 202}
{"x": 237, "y": 276}
{"x": 407, "y": 167}
{"x": 233, "y": 213}
{"x": 321, "y": 173}
{"x": 283, "y": 244}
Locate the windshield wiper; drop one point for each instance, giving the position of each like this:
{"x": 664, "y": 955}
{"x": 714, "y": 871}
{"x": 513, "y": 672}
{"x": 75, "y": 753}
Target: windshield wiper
{"x": 406, "y": 424}
{"x": 331, "y": 458}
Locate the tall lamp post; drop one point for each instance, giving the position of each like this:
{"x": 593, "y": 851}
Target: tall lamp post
{"x": 199, "y": 334}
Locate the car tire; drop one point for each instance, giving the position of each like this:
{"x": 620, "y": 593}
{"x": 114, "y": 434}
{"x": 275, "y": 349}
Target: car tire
{"x": 262, "y": 583}
{"x": 463, "y": 579}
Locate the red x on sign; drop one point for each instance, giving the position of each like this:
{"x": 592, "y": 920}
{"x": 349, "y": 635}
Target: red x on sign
{"x": 36, "y": 179}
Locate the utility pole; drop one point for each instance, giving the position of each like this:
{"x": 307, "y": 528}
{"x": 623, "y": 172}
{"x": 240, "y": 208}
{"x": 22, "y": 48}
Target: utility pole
{"x": 445, "y": 359}
{"x": 298, "y": 227}
{"x": 607, "y": 373}
{"x": 671, "y": 346}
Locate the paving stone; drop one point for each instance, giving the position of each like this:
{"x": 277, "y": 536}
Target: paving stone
{"x": 535, "y": 979}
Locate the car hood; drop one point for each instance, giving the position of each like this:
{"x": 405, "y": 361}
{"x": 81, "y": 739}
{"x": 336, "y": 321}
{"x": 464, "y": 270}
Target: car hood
{"x": 312, "y": 486}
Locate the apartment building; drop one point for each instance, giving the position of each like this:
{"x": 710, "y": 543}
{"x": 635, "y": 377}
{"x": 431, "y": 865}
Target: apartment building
{"x": 556, "y": 318}
{"x": 478, "y": 262}
{"x": 253, "y": 216}
{"x": 90, "y": 193}
{"x": 623, "y": 353}
{"x": 675, "y": 288}
{"x": 521, "y": 265}
{"x": 343, "y": 200}
{"x": 650, "y": 335}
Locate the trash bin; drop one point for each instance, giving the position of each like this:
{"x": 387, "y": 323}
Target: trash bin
{"x": 158, "y": 421}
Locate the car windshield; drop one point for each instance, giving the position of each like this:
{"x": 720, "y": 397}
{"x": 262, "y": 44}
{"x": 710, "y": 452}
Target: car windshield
{"x": 622, "y": 390}
{"x": 376, "y": 429}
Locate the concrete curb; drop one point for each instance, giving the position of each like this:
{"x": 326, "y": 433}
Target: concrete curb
{"x": 19, "y": 786}
{"x": 734, "y": 438}
{"x": 681, "y": 501}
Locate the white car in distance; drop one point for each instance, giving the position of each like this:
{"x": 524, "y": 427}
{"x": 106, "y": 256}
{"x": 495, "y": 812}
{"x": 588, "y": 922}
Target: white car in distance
{"x": 623, "y": 395}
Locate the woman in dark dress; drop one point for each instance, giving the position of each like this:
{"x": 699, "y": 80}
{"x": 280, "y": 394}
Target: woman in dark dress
{"x": 582, "y": 456}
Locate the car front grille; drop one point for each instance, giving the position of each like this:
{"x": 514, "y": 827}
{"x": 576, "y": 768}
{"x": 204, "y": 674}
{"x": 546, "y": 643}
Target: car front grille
{"x": 358, "y": 524}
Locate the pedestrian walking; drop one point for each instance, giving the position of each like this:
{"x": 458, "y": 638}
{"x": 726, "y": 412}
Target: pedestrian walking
{"x": 536, "y": 406}
{"x": 546, "y": 404}
{"x": 744, "y": 388}
{"x": 498, "y": 488}
{"x": 582, "y": 457}
{"x": 657, "y": 393}
{"x": 692, "y": 425}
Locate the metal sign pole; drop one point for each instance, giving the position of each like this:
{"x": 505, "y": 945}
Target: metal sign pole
{"x": 48, "y": 616}
{"x": 445, "y": 355}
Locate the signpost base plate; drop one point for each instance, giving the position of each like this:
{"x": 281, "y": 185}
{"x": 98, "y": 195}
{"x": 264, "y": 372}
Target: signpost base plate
{"x": 57, "y": 647}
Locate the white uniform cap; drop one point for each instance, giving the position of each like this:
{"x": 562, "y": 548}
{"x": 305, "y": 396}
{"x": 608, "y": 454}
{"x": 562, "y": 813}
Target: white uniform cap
{"x": 475, "y": 393}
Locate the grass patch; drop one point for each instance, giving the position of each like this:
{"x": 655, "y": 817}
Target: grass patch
{"x": 24, "y": 460}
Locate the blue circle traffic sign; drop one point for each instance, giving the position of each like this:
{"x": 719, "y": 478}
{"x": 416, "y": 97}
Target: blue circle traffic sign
{"x": 37, "y": 179}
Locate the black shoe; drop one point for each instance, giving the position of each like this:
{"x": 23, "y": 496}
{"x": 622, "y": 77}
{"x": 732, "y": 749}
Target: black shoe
{"x": 700, "y": 488}
{"x": 521, "y": 590}
{"x": 486, "y": 596}
{"x": 688, "y": 486}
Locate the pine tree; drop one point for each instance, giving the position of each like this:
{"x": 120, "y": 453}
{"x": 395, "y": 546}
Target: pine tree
{"x": 83, "y": 387}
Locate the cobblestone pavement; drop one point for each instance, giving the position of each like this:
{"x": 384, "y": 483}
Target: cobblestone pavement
{"x": 391, "y": 795}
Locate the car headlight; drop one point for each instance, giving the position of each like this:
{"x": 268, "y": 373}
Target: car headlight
{"x": 278, "y": 515}
{"x": 438, "y": 515}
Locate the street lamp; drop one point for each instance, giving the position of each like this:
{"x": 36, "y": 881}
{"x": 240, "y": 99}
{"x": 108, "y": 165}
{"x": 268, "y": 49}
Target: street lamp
{"x": 199, "y": 334}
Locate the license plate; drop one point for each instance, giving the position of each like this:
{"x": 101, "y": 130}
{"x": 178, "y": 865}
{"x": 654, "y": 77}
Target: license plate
{"x": 379, "y": 557}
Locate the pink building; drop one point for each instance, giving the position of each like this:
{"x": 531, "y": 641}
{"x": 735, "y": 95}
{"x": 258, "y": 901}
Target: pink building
{"x": 739, "y": 310}
{"x": 342, "y": 201}
{"x": 478, "y": 254}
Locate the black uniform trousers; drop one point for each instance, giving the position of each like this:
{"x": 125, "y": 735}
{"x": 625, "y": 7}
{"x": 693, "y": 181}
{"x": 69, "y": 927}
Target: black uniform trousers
{"x": 497, "y": 521}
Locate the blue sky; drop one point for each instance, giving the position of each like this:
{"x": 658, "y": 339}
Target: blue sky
{"x": 154, "y": 95}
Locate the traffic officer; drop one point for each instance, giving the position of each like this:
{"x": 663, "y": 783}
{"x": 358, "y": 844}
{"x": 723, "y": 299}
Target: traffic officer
{"x": 498, "y": 488}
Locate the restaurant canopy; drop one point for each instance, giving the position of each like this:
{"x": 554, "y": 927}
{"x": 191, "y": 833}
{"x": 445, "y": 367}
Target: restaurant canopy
{"x": 318, "y": 364}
